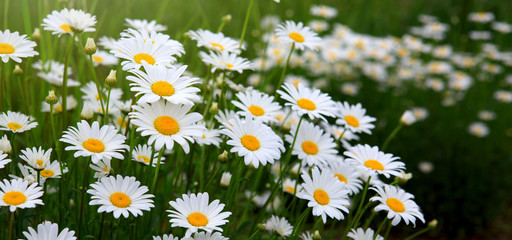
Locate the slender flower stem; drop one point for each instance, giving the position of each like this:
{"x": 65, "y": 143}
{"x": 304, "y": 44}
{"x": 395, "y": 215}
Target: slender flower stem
{"x": 101, "y": 225}
{"x": 303, "y": 216}
{"x": 386, "y": 220}
{"x": 284, "y": 69}
{"x": 84, "y": 186}
{"x": 155, "y": 177}
{"x": 65, "y": 80}
{"x": 358, "y": 213}
{"x": 100, "y": 95}
{"x": 105, "y": 113}
{"x": 418, "y": 233}
{"x": 2, "y": 85}
{"x": 11, "y": 220}
{"x": 392, "y": 135}
{"x": 247, "y": 14}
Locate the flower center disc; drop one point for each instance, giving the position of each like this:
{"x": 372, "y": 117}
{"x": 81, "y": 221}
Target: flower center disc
{"x": 217, "y": 46}
{"x": 310, "y": 148}
{"x": 395, "y": 205}
{"x": 297, "y": 37}
{"x": 97, "y": 58}
{"x": 120, "y": 200}
{"x": 197, "y": 219}
{"x": 306, "y": 104}
{"x": 290, "y": 189}
{"x": 166, "y": 125}
{"x": 6, "y": 48}
{"x": 14, "y": 198}
{"x": 229, "y": 65}
{"x": 321, "y": 197}
{"x": 250, "y": 142}
{"x": 66, "y": 28}
{"x": 341, "y": 177}
{"x": 47, "y": 173}
{"x": 256, "y": 110}
{"x": 374, "y": 164}
{"x": 39, "y": 163}
{"x": 143, "y": 56}
{"x": 94, "y": 145}
{"x": 352, "y": 121}
{"x": 14, "y": 126}
{"x": 143, "y": 159}
{"x": 162, "y": 88}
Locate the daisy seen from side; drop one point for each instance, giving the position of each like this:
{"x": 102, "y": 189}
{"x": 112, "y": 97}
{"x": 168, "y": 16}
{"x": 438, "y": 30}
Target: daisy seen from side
{"x": 144, "y": 154}
{"x": 214, "y": 41}
{"x": 36, "y": 158}
{"x": 361, "y": 234}
{"x": 226, "y": 61}
{"x": 49, "y": 231}
{"x": 279, "y": 225}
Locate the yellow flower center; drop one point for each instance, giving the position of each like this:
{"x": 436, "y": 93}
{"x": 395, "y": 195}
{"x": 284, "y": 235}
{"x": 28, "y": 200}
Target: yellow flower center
{"x": 121, "y": 122}
{"x": 94, "y": 145}
{"x": 120, "y": 200}
{"x": 256, "y": 110}
{"x": 197, "y": 219}
{"x": 97, "y": 58}
{"x": 250, "y": 142}
{"x": 395, "y": 205}
{"x": 59, "y": 108}
{"x": 66, "y": 28}
{"x": 39, "y": 162}
{"x": 297, "y": 37}
{"x": 143, "y": 56}
{"x": 166, "y": 125}
{"x": 217, "y": 45}
{"x": 352, "y": 121}
{"x": 374, "y": 164}
{"x": 229, "y": 65}
{"x": 162, "y": 88}
{"x": 321, "y": 197}
{"x": 14, "y": 126}
{"x": 341, "y": 177}
{"x": 290, "y": 189}
{"x": 143, "y": 159}
{"x": 105, "y": 169}
{"x": 310, "y": 147}
{"x": 14, "y": 198}
{"x": 306, "y": 104}
{"x": 47, "y": 173}
{"x": 6, "y": 48}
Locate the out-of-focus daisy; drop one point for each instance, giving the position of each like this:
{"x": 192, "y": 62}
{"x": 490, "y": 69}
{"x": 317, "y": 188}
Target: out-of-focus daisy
{"x": 17, "y": 193}
{"x": 481, "y": 17}
{"x": 486, "y": 115}
{"x": 3, "y": 159}
{"x": 13, "y": 46}
{"x": 354, "y": 118}
{"x": 49, "y": 231}
{"x": 16, "y": 122}
{"x": 69, "y": 21}
{"x": 350, "y": 89}
{"x": 52, "y": 170}
{"x": 91, "y": 140}
{"x": 194, "y": 212}
{"x": 296, "y": 80}
{"x": 143, "y": 153}
{"x": 370, "y": 159}
{"x": 323, "y": 11}
{"x": 36, "y": 158}
{"x": 28, "y": 174}
{"x": 226, "y": 61}
{"x": 502, "y": 27}
{"x": 500, "y": 95}
{"x": 145, "y": 25}
{"x": 398, "y": 204}
{"x": 308, "y": 101}
{"x": 254, "y": 141}
{"x": 165, "y": 237}
{"x": 174, "y": 46}
{"x": 225, "y": 115}
{"x": 302, "y": 36}
{"x": 289, "y": 185}
{"x": 306, "y": 236}
{"x": 104, "y": 58}
{"x": 166, "y": 123}
{"x": 53, "y": 71}
{"x": 102, "y": 168}
{"x": 347, "y": 174}
{"x": 214, "y": 41}
{"x": 121, "y": 195}
{"x": 478, "y": 129}
{"x": 279, "y": 225}
{"x": 326, "y": 195}
{"x": 206, "y": 236}
{"x": 312, "y": 144}
{"x": 257, "y": 105}
{"x": 209, "y": 137}
{"x": 361, "y": 234}
{"x": 160, "y": 82}
{"x": 225, "y": 179}
{"x": 420, "y": 113}
{"x": 5, "y": 145}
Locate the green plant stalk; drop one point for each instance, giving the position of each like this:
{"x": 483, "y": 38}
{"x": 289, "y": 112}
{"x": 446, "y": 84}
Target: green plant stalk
{"x": 392, "y": 135}
{"x": 101, "y": 225}
{"x": 412, "y": 236}
{"x": 84, "y": 186}
{"x": 386, "y": 220}
{"x": 65, "y": 81}
{"x": 244, "y": 29}
{"x": 22, "y": 93}
{"x": 358, "y": 212}
{"x": 6, "y": 12}
{"x": 155, "y": 177}
{"x": 100, "y": 93}
{"x": 105, "y": 113}
{"x": 2, "y": 85}
{"x": 11, "y": 220}
{"x": 284, "y": 69}
{"x": 299, "y": 222}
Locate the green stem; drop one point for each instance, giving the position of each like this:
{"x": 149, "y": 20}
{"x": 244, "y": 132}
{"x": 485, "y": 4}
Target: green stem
{"x": 380, "y": 227}
{"x": 84, "y": 186}
{"x": 299, "y": 222}
{"x": 105, "y": 113}
{"x": 101, "y": 225}
{"x": 6, "y": 11}
{"x": 100, "y": 93}
{"x": 391, "y": 136}
{"x": 11, "y": 220}
{"x": 2, "y": 85}
{"x": 358, "y": 212}
{"x": 155, "y": 177}
{"x": 284, "y": 69}
{"x": 418, "y": 233}
{"x": 254, "y": 234}
{"x": 65, "y": 81}
{"x": 247, "y": 14}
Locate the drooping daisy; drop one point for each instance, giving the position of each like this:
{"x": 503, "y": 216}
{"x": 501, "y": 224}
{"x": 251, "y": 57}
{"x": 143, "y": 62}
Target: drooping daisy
{"x": 279, "y": 225}
{"x": 36, "y": 158}
{"x": 165, "y": 237}
{"x": 302, "y": 36}
{"x": 69, "y": 21}
{"x": 143, "y": 153}
{"x": 370, "y": 159}
{"x": 148, "y": 26}
{"x": 13, "y": 46}
{"x": 209, "y": 137}
{"x": 91, "y": 140}
{"x": 326, "y": 195}
{"x": 53, "y": 71}
{"x": 257, "y": 105}
{"x": 214, "y": 41}
{"x": 398, "y": 204}
{"x": 311, "y": 144}
{"x": 194, "y": 212}
{"x": 166, "y": 123}
{"x": 254, "y": 141}
{"x": 206, "y": 236}
{"x": 308, "y": 101}
{"x": 354, "y": 117}
{"x": 5, "y": 145}
{"x": 28, "y": 174}
{"x": 102, "y": 168}
{"x": 226, "y": 61}
{"x": 346, "y": 173}
{"x": 361, "y": 234}
{"x": 17, "y": 193}
{"x": 120, "y": 195}
{"x": 49, "y": 231}
{"x": 16, "y": 122}
{"x": 160, "y": 82}
{"x": 3, "y": 159}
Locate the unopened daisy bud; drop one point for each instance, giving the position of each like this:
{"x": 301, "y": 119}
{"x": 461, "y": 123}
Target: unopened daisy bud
{"x": 90, "y": 47}
{"x": 316, "y": 235}
{"x": 220, "y": 81}
{"x": 87, "y": 112}
{"x": 111, "y": 80}
{"x": 408, "y": 118}
{"x": 17, "y": 70}
{"x": 404, "y": 178}
{"x": 223, "y": 157}
{"x": 214, "y": 109}
{"x": 225, "y": 179}
{"x": 5, "y": 145}
{"x": 433, "y": 223}
{"x": 51, "y": 98}
{"x": 36, "y": 35}
{"x": 261, "y": 226}
{"x": 286, "y": 126}
{"x": 226, "y": 19}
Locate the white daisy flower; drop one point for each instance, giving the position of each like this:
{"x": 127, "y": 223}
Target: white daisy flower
{"x": 279, "y": 225}
{"x": 104, "y": 58}
{"x": 57, "y": 107}
{"x": 102, "y": 168}
{"x": 254, "y": 141}
{"x": 3, "y": 159}
{"x": 302, "y": 36}
{"x": 69, "y": 21}
{"x": 209, "y": 137}
{"x": 370, "y": 159}
{"x": 143, "y": 153}
{"x": 16, "y": 122}
{"x": 306, "y": 236}
{"x": 323, "y": 11}
{"x": 36, "y": 158}
{"x": 52, "y": 170}
{"x": 308, "y": 101}
{"x": 226, "y": 61}
{"x": 326, "y": 195}
{"x": 354, "y": 118}
{"x": 53, "y": 71}
{"x": 120, "y": 195}
{"x": 214, "y": 41}
{"x": 165, "y": 237}
{"x": 91, "y": 140}
{"x": 156, "y": 38}
{"x": 361, "y": 234}
{"x": 49, "y": 231}
{"x": 13, "y": 46}
{"x": 5, "y": 145}
{"x": 17, "y": 193}
{"x": 312, "y": 145}
{"x": 288, "y": 184}
{"x": 206, "y": 236}
{"x": 29, "y": 175}
{"x": 160, "y": 82}
{"x": 145, "y": 25}
{"x": 194, "y": 212}
{"x": 398, "y": 204}
{"x": 347, "y": 174}
{"x": 224, "y": 116}
{"x": 257, "y": 105}
{"x": 478, "y": 129}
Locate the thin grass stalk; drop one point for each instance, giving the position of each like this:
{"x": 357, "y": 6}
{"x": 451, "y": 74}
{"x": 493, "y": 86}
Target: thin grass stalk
{"x": 284, "y": 69}
{"x": 244, "y": 29}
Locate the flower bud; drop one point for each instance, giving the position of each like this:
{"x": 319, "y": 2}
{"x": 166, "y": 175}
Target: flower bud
{"x": 408, "y": 118}
{"x": 223, "y": 157}
{"x": 214, "y": 109}
{"x": 316, "y": 235}
{"x": 225, "y": 179}
{"x": 90, "y": 46}
{"x": 111, "y": 80}
{"x": 5, "y": 145}
{"x": 261, "y": 226}
{"x": 36, "y": 35}
{"x": 87, "y": 112}
{"x": 432, "y": 223}
{"x": 51, "y": 98}
{"x": 227, "y": 18}
{"x": 17, "y": 70}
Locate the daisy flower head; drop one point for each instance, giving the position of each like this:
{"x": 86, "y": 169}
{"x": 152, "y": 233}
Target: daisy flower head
{"x": 69, "y": 21}
{"x": 254, "y": 141}
{"x": 52, "y": 170}
{"x": 326, "y": 195}
{"x": 279, "y": 225}
{"x": 160, "y": 82}
{"x": 165, "y": 237}
{"x": 145, "y": 25}
{"x": 156, "y": 38}
{"x": 120, "y": 195}
{"x": 209, "y": 137}
{"x": 194, "y": 212}
{"x": 3, "y": 159}
{"x": 288, "y": 184}
{"x": 17, "y": 193}
{"x": 257, "y": 105}
{"x": 323, "y": 11}
{"x": 53, "y": 72}
{"x": 347, "y": 174}
{"x": 214, "y": 41}
{"x": 206, "y": 236}
{"x": 166, "y": 123}
{"x": 226, "y": 61}
{"x": 16, "y": 122}
{"x": 104, "y": 58}
{"x": 28, "y": 174}
{"x": 354, "y": 118}
{"x": 312, "y": 144}
{"x": 308, "y": 101}
{"x": 370, "y": 159}
{"x": 13, "y": 46}
{"x": 144, "y": 154}
{"x": 102, "y": 168}
{"x": 302, "y": 36}
{"x": 361, "y": 234}
{"x": 49, "y": 231}
{"x": 478, "y": 129}
{"x": 95, "y": 142}
{"x": 36, "y": 158}
{"x": 223, "y": 116}
{"x": 398, "y": 204}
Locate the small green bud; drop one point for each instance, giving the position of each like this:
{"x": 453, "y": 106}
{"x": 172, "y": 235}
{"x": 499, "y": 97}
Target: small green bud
{"x": 51, "y": 98}
{"x": 90, "y": 47}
